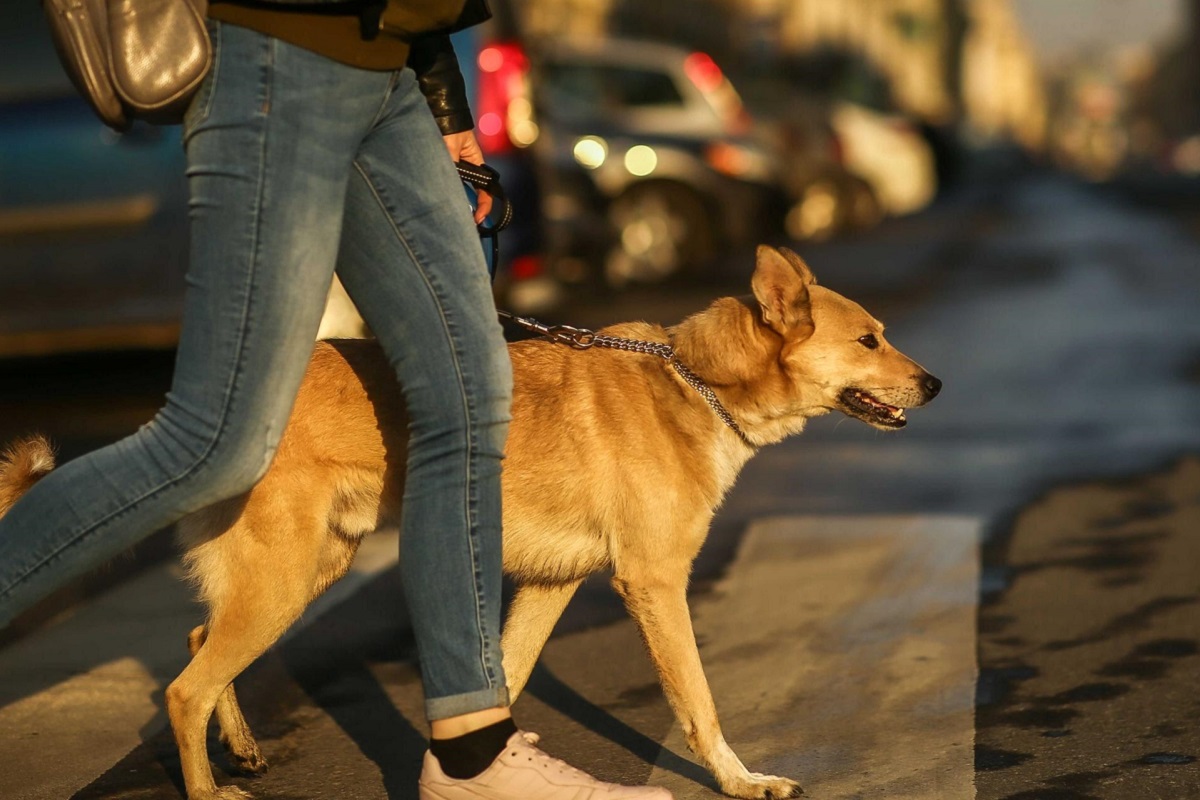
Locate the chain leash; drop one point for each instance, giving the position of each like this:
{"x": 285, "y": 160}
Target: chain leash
{"x": 584, "y": 339}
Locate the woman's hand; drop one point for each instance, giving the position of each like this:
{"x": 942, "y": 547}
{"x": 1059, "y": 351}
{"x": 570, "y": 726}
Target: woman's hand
{"x": 464, "y": 147}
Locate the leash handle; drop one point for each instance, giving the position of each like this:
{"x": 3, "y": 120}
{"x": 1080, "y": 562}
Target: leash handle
{"x": 487, "y": 179}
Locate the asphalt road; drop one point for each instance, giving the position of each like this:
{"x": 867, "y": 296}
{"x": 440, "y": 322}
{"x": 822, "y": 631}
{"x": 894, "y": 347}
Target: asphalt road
{"x": 1061, "y": 318}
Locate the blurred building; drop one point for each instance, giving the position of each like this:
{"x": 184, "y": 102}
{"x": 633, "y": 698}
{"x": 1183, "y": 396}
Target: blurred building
{"x": 946, "y": 60}
{"x": 565, "y": 18}
{"x": 1003, "y": 91}
{"x": 1173, "y": 92}
{"x": 1161, "y": 91}
{"x": 912, "y": 42}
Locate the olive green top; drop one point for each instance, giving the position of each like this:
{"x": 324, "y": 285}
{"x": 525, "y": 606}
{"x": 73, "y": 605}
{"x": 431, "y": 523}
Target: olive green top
{"x": 336, "y": 32}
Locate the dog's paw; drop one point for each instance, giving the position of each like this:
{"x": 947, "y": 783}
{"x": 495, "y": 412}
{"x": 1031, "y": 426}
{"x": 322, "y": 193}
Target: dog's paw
{"x": 246, "y": 756}
{"x": 251, "y": 762}
{"x": 763, "y": 787}
{"x": 224, "y": 793}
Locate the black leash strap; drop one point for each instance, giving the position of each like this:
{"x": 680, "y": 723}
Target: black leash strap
{"x": 486, "y": 179}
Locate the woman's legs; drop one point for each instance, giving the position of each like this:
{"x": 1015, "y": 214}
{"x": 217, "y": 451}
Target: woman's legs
{"x": 411, "y": 260}
{"x": 269, "y": 139}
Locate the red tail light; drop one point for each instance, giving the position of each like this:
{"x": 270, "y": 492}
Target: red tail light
{"x": 703, "y": 71}
{"x": 525, "y": 267}
{"x": 503, "y": 79}
{"x": 726, "y": 159}
{"x": 706, "y": 76}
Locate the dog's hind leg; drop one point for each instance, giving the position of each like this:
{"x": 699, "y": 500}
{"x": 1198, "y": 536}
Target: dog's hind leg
{"x": 241, "y": 627}
{"x": 531, "y": 618}
{"x": 235, "y": 732}
{"x": 256, "y": 577}
{"x": 656, "y": 598}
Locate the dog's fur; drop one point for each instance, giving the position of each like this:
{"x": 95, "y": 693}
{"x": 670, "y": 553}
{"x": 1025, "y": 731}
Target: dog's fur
{"x": 613, "y": 463}
{"x": 21, "y": 466}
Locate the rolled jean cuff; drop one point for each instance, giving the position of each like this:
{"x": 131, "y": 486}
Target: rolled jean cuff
{"x": 457, "y": 704}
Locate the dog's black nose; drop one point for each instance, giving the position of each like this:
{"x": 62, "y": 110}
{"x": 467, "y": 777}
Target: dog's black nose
{"x": 932, "y": 386}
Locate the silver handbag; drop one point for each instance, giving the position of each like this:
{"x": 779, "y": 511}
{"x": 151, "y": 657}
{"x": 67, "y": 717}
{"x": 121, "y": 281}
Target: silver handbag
{"x": 133, "y": 59}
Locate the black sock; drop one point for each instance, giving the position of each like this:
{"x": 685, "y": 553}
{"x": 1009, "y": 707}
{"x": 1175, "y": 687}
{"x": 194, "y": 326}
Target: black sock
{"x": 470, "y": 754}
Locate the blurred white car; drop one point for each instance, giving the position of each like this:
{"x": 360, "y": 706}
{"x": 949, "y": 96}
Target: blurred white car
{"x": 652, "y": 164}
{"x": 889, "y": 153}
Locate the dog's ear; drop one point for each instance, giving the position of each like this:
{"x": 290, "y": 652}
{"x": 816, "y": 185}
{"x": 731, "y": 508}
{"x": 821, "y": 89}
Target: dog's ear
{"x": 780, "y": 284}
{"x": 798, "y": 262}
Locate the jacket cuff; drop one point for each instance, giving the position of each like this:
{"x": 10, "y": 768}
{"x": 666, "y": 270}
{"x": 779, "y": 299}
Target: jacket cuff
{"x": 433, "y": 60}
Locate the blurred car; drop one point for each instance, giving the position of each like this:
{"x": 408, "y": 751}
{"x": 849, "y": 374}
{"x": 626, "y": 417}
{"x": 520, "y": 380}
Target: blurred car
{"x": 826, "y": 199}
{"x": 832, "y": 202}
{"x": 1089, "y": 129}
{"x": 93, "y": 223}
{"x": 1182, "y": 155}
{"x": 650, "y": 162}
{"x": 878, "y": 144}
{"x": 889, "y": 153}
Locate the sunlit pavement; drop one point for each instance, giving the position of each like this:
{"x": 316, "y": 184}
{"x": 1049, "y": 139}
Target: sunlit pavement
{"x": 1061, "y": 319}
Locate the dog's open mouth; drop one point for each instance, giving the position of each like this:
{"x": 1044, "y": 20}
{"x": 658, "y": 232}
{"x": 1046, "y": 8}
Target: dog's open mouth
{"x": 862, "y": 405}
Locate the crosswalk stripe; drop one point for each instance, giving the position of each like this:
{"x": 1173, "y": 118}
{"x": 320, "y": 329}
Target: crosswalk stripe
{"x": 841, "y": 652}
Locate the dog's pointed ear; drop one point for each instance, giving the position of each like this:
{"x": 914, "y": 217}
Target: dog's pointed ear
{"x": 780, "y": 284}
{"x": 801, "y": 267}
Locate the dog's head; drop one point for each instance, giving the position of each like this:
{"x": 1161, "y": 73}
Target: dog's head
{"x": 796, "y": 350}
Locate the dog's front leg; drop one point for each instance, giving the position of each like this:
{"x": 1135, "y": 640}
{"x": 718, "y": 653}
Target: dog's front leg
{"x": 658, "y": 602}
{"x": 531, "y": 618}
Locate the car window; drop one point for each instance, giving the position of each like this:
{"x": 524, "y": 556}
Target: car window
{"x": 639, "y": 87}
{"x": 837, "y": 76}
{"x": 583, "y": 91}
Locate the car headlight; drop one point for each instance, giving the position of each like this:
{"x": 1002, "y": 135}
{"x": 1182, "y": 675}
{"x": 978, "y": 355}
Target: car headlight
{"x": 590, "y": 151}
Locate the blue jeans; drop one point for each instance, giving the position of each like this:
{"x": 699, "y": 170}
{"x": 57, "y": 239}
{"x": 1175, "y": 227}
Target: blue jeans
{"x": 297, "y": 165}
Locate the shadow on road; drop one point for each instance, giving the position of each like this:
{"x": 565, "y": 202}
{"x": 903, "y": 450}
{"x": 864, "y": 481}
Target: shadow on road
{"x": 547, "y": 687}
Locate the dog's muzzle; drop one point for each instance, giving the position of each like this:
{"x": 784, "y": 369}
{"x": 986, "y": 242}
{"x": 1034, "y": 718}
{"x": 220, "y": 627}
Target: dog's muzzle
{"x": 861, "y": 404}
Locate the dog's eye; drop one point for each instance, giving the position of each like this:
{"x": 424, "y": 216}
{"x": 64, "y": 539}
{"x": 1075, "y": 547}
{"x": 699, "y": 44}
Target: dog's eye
{"x": 869, "y": 341}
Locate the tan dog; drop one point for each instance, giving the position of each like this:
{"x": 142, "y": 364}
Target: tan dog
{"x": 614, "y": 462}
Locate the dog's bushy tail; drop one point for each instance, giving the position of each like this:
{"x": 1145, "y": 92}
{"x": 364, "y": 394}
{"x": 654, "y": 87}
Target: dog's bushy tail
{"x": 22, "y": 465}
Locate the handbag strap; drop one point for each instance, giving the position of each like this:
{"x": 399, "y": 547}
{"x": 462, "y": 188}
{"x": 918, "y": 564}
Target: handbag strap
{"x": 486, "y": 179}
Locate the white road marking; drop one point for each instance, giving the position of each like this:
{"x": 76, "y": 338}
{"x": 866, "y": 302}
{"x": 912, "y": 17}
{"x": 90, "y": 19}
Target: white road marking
{"x": 841, "y": 653}
{"x": 78, "y": 695}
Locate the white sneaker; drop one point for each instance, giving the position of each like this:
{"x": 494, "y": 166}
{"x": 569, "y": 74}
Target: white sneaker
{"x": 523, "y": 772}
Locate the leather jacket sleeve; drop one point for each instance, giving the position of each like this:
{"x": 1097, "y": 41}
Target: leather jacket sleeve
{"x": 432, "y": 58}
